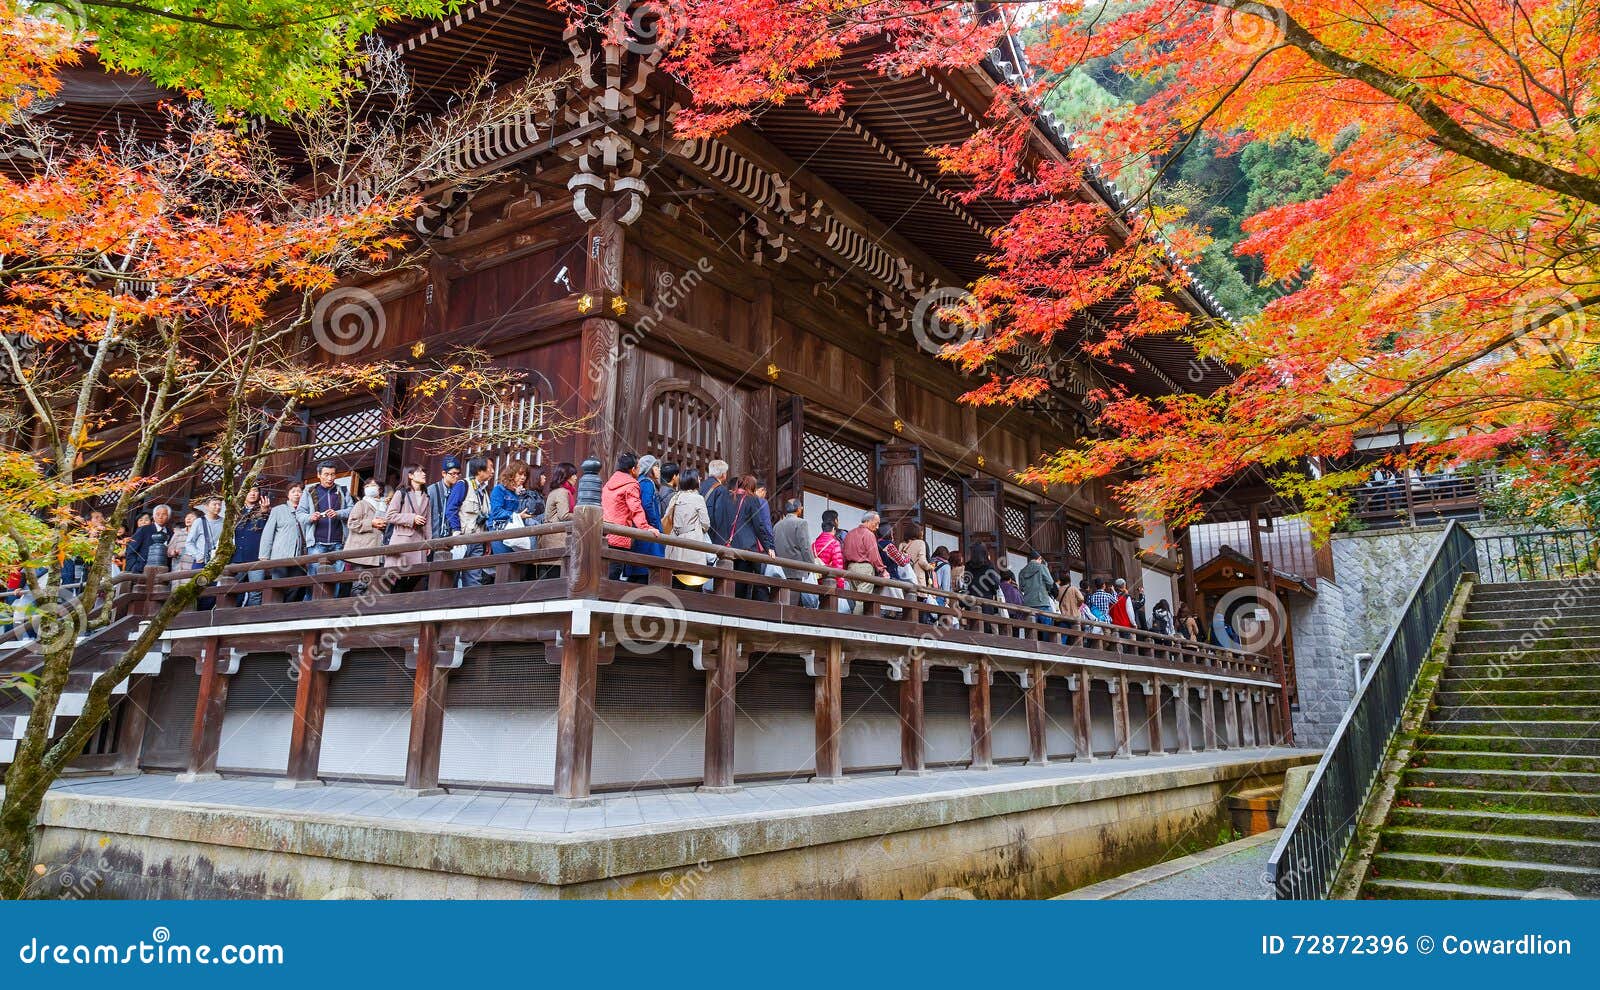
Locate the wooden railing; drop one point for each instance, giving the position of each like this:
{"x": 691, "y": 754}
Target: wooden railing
{"x": 1307, "y": 857}
{"x": 583, "y": 567}
{"x": 1425, "y": 498}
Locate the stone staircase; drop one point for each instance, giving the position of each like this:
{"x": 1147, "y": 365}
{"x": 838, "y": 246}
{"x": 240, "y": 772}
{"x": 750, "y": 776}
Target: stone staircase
{"x": 1501, "y": 798}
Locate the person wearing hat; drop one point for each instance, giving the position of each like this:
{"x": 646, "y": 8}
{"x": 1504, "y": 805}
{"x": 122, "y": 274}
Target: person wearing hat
{"x": 650, "y": 499}
{"x": 1122, "y": 608}
{"x": 439, "y": 496}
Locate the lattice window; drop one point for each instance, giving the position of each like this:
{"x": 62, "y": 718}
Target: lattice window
{"x": 1074, "y": 542}
{"x": 348, "y": 433}
{"x": 1014, "y": 521}
{"x": 685, "y": 428}
{"x": 939, "y": 495}
{"x": 831, "y": 458}
{"x": 109, "y": 499}
{"x": 210, "y": 474}
{"x": 519, "y": 417}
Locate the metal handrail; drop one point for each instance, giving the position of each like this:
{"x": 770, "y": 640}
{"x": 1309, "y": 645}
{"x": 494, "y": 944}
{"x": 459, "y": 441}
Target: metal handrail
{"x": 1307, "y": 856}
{"x": 1545, "y": 555}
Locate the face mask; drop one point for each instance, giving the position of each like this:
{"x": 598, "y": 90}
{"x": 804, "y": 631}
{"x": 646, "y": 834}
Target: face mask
{"x": 372, "y": 491}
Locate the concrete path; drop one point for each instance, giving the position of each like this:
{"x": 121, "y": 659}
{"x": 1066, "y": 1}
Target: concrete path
{"x": 1236, "y": 871}
{"x": 658, "y": 808}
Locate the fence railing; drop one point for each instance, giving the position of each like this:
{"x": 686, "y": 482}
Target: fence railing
{"x": 1307, "y": 856}
{"x": 1545, "y": 556}
{"x": 1407, "y": 499}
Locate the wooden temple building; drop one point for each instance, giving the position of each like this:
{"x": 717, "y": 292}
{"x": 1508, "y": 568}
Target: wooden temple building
{"x": 751, "y": 298}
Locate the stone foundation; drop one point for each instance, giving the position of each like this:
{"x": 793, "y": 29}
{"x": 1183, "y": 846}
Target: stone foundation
{"x": 1019, "y": 840}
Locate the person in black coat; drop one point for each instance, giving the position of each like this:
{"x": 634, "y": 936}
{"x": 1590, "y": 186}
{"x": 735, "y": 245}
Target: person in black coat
{"x": 715, "y": 491}
{"x": 139, "y": 546}
{"x": 746, "y": 521}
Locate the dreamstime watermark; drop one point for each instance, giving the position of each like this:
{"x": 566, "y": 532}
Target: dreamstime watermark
{"x": 1249, "y": 28}
{"x": 348, "y": 320}
{"x": 1556, "y": 322}
{"x": 655, "y": 619}
{"x": 1250, "y": 619}
{"x": 1536, "y": 635}
{"x": 160, "y": 950}
{"x": 681, "y": 886}
{"x": 947, "y": 316}
{"x": 69, "y": 15}
{"x": 672, "y": 290}
{"x": 52, "y": 623}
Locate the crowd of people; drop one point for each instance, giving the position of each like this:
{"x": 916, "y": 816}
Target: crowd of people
{"x": 721, "y": 509}
{"x": 716, "y": 509}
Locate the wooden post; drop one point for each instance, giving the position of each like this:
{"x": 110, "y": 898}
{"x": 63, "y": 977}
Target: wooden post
{"x": 427, "y": 714}
{"x": 1247, "y": 718}
{"x": 1119, "y": 716}
{"x": 1189, "y": 592}
{"x": 829, "y": 704}
{"x": 981, "y": 718}
{"x": 1038, "y": 750}
{"x": 1263, "y": 732}
{"x": 720, "y": 714}
{"x": 135, "y": 719}
{"x": 585, "y": 563}
{"x": 310, "y": 706}
{"x": 1208, "y": 717}
{"x": 913, "y": 759}
{"x": 1082, "y": 720}
{"x": 1152, "y": 707}
{"x": 1230, "y": 719}
{"x": 209, "y": 708}
{"x": 1266, "y": 580}
{"x": 575, "y": 716}
{"x": 1180, "y": 705}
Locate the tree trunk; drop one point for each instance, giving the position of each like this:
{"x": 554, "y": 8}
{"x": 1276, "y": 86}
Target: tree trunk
{"x": 18, "y": 813}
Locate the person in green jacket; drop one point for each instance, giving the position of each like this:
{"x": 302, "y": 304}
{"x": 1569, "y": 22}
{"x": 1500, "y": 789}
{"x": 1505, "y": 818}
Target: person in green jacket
{"x": 1037, "y": 586}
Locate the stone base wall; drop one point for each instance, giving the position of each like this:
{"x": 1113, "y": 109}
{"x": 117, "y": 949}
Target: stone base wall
{"x": 1010, "y": 841}
{"x": 1374, "y": 573}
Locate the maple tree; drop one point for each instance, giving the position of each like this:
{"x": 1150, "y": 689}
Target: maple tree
{"x": 1445, "y": 279}
{"x": 185, "y": 274}
{"x": 270, "y": 57}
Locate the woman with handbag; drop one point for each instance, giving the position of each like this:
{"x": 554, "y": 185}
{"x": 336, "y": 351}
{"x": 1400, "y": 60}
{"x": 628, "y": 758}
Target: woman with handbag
{"x": 749, "y": 528}
{"x": 365, "y": 532}
{"x": 505, "y": 503}
{"x": 687, "y": 519}
{"x": 558, "y": 504}
{"x": 409, "y": 521}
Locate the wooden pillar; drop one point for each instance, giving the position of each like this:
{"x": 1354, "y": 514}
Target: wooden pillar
{"x": 720, "y": 713}
{"x": 1247, "y": 721}
{"x": 580, "y": 655}
{"x": 1266, "y": 580}
{"x": 427, "y": 713}
{"x": 1082, "y": 720}
{"x": 135, "y": 719}
{"x": 1153, "y": 716}
{"x": 981, "y": 717}
{"x": 1119, "y": 715}
{"x": 1230, "y": 719}
{"x": 209, "y": 707}
{"x": 310, "y": 707}
{"x": 913, "y": 751}
{"x": 599, "y": 336}
{"x": 829, "y": 703}
{"x": 1180, "y": 705}
{"x": 1033, "y": 701}
{"x": 1208, "y": 717}
{"x": 1263, "y": 731}
{"x": 1189, "y": 592}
